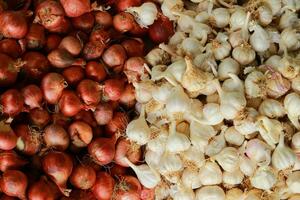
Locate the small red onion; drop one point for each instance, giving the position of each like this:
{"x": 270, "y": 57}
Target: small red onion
{"x": 95, "y": 71}
{"x": 89, "y": 91}
{"x": 14, "y": 183}
{"x": 12, "y": 102}
{"x": 123, "y": 22}
{"x": 134, "y": 47}
{"x": 104, "y": 186}
{"x": 56, "y": 137}
{"x": 8, "y": 138}
{"x": 104, "y": 19}
{"x": 93, "y": 51}
{"x": 10, "y": 47}
{"x": 11, "y": 160}
{"x": 134, "y": 68}
{"x": 138, "y": 31}
{"x": 9, "y": 70}
{"x": 36, "y": 64}
{"x": 118, "y": 170}
{"x": 76, "y": 8}
{"x": 83, "y": 177}
{"x": 87, "y": 117}
{"x": 52, "y": 42}
{"x": 69, "y": 103}
{"x": 61, "y": 58}
{"x": 128, "y": 96}
{"x": 39, "y": 117}
{"x": 115, "y": 57}
{"x": 33, "y": 96}
{"x": 161, "y": 30}
{"x": 36, "y": 38}
{"x": 113, "y": 89}
{"x": 129, "y": 188}
{"x": 72, "y": 44}
{"x": 13, "y": 24}
{"x": 81, "y": 133}
{"x": 118, "y": 123}
{"x": 73, "y": 75}
{"x": 84, "y": 22}
{"x": 43, "y": 189}
{"x": 126, "y": 149}
{"x": 103, "y": 113}
{"x": 123, "y": 5}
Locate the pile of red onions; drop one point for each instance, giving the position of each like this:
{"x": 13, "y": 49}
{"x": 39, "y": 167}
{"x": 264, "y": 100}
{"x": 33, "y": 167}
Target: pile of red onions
{"x": 66, "y": 93}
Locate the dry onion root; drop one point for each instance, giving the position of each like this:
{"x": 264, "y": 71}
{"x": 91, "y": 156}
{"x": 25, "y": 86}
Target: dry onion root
{"x": 225, "y": 87}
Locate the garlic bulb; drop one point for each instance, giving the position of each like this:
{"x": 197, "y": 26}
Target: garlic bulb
{"x": 228, "y": 159}
{"x": 296, "y": 84}
{"x": 220, "y": 17}
{"x": 190, "y": 178}
{"x": 288, "y": 19}
{"x": 265, "y": 15}
{"x": 277, "y": 86}
{"x": 158, "y": 143}
{"x": 237, "y": 19}
{"x": 264, "y": 178}
{"x": 235, "y": 38}
{"x": 258, "y": 151}
{"x": 255, "y": 84}
{"x": 211, "y": 114}
{"x": 283, "y": 157}
{"x": 228, "y": 65}
{"x": 233, "y": 178}
{"x": 293, "y": 182}
{"x": 232, "y": 136}
{"x": 181, "y": 193}
{"x": 210, "y": 174}
{"x": 157, "y": 56}
{"x": 275, "y": 6}
{"x": 169, "y": 6}
{"x": 210, "y": 193}
{"x": 216, "y": 144}
{"x": 152, "y": 158}
{"x": 290, "y": 38}
{"x": 247, "y": 124}
{"x": 247, "y": 166}
{"x": 170, "y": 167}
{"x": 296, "y": 142}
{"x": 162, "y": 191}
{"x": 259, "y": 40}
{"x": 193, "y": 158}
{"x": 162, "y": 92}
{"x": 291, "y": 104}
{"x": 244, "y": 54}
{"x": 191, "y": 46}
{"x": 234, "y": 194}
{"x": 145, "y": 15}
{"x": 271, "y": 108}
{"x": 143, "y": 91}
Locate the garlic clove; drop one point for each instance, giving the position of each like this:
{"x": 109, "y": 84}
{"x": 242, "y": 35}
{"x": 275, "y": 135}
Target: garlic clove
{"x": 210, "y": 193}
{"x": 228, "y": 159}
{"x": 264, "y": 178}
{"x": 210, "y": 174}
{"x": 190, "y": 178}
{"x": 272, "y": 108}
{"x": 230, "y": 179}
{"x": 232, "y": 136}
{"x": 293, "y": 182}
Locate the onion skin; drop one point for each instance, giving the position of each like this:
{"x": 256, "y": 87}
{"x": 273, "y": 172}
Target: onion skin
{"x": 84, "y": 22}
{"x": 77, "y": 194}
{"x": 36, "y": 64}
{"x": 103, "y": 113}
{"x": 73, "y": 75}
{"x": 33, "y": 96}
{"x": 113, "y": 89}
{"x": 36, "y": 38}
{"x": 10, "y": 47}
{"x": 134, "y": 68}
{"x": 93, "y": 51}
{"x": 123, "y": 22}
{"x": 18, "y": 180}
{"x": 83, "y": 177}
{"x": 87, "y": 117}
{"x": 42, "y": 190}
{"x": 138, "y": 31}
{"x": 52, "y": 42}
{"x": 100, "y": 36}
{"x": 134, "y": 47}
{"x": 161, "y": 30}
{"x": 58, "y": 166}
{"x": 8, "y": 138}
{"x": 125, "y": 148}
{"x": 52, "y": 87}
{"x": 72, "y": 44}
{"x": 128, "y": 96}
{"x": 117, "y": 171}
{"x": 147, "y": 194}
{"x": 39, "y": 117}
{"x": 104, "y": 186}
{"x": 69, "y": 103}
{"x": 122, "y": 5}
{"x": 12, "y": 102}
{"x": 118, "y": 123}
{"x": 11, "y": 160}
{"x": 95, "y": 71}
{"x": 75, "y": 8}
{"x": 115, "y": 57}
{"x": 89, "y": 91}
{"x": 13, "y": 24}
{"x": 81, "y": 133}
{"x": 61, "y": 58}
{"x": 104, "y": 19}
{"x": 8, "y": 70}
{"x": 55, "y": 136}
{"x": 134, "y": 191}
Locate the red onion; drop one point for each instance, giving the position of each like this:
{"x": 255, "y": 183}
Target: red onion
{"x": 36, "y": 37}
{"x": 77, "y": 194}
{"x": 42, "y": 190}
{"x": 14, "y": 183}
{"x": 113, "y": 89}
{"x": 123, "y": 22}
{"x": 56, "y": 137}
{"x": 73, "y": 75}
{"x": 3, "y": 5}
{"x": 72, "y": 44}
{"x": 87, "y": 117}
{"x": 104, "y": 186}
{"x": 52, "y": 42}
{"x": 69, "y": 103}
{"x": 147, "y": 194}
{"x": 104, "y": 19}
{"x": 102, "y": 150}
{"x": 134, "y": 47}
{"x": 75, "y": 8}
{"x": 128, "y": 188}
{"x": 60, "y": 119}
{"x": 83, "y": 177}
{"x": 118, "y": 123}
{"x": 10, "y": 47}
{"x": 13, "y": 24}
{"x": 9, "y": 70}
{"x": 138, "y": 31}
{"x": 36, "y": 64}
{"x": 95, "y": 71}
{"x": 89, "y": 91}
{"x": 8, "y": 138}
{"x": 100, "y": 36}
{"x": 128, "y": 96}
{"x": 115, "y": 57}
{"x": 126, "y": 149}
{"x": 29, "y": 139}
{"x": 63, "y": 28}
{"x": 58, "y": 166}
{"x": 61, "y": 58}
{"x": 52, "y": 87}
{"x": 84, "y": 22}
{"x": 103, "y": 113}
{"x": 33, "y": 96}
{"x": 81, "y": 133}
{"x": 93, "y": 51}
{"x": 161, "y": 30}
{"x": 134, "y": 68}
{"x": 5, "y": 197}
{"x": 117, "y": 170}
{"x": 39, "y": 117}
{"x": 12, "y": 102}
{"x": 11, "y": 160}
{"x": 122, "y": 5}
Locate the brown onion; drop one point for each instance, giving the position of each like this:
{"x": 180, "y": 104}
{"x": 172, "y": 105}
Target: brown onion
{"x": 161, "y": 30}
{"x": 100, "y": 36}
{"x": 104, "y": 186}
{"x": 87, "y": 117}
{"x": 58, "y": 166}
{"x": 69, "y": 103}
{"x": 123, "y": 22}
{"x": 83, "y": 177}
{"x": 12, "y": 102}
{"x": 43, "y": 190}
{"x": 36, "y": 37}
{"x": 73, "y": 75}
{"x": 134, "y": 68}
{"x": 14, "y": 183}
{"x": 113, "y": 89}
{"x": 11, "y": 160}
{"x": 95, "y": 71}
{"x": 93, "y": 51}
{"x": 129, "y": 188}
{"x": 123, "y": 5}
{"x": 134, "y": 47}
{"x": 10, "y": 47}
{"x": 36, "y": 64}
{"x": 72, "y": 44}
{"x": 128, "y": 96}
{"x": 9, "y": 70}
{"x": 118, "y": 123}
{"x": 33, "y": 96}
{"x": 81, "y": 133}
{"x": 39, "y": 117}
{"x": 103, "y": 113}
{"x": 115, "y": 57}
{"x": 104, "y": 19}
{"x": 29, "y": 139}
{"x": 8, "y": 138}
{"x": 13, "y": 24}
{"x": 89, "y": 91}
{"x": 75, "y": 8}
{"x": 61, "y": 58}
{"x": 56, "y": 137}
{"x": 52, "y": 42}
{"x": 84, "y": 22}
{"x": 127, "y": 149}
{"x": 52, "y": 87}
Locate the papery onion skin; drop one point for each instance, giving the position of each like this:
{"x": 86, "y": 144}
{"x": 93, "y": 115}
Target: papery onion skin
{"x": 11, "y": 160}
{"x": 75, "y": 8}
{"x": 84, "y": 22}
{"x": 134, "y": 68}
{"x": 37, "y": 65}
{"x": 73, "y": 75}
{"x": 104, "y": 186}
{"x": 39, "y": 117}
{"x": 56, "y": 137}
{"x": 134, "y": 188}
{"x": 14, "y": 183}
{"x": 10, "y": 47}
{"x": 118, "y": 123}
{"x": 100, "y": 36}
{"x": 8, "y": 138}
{"x": 69, "y": 103}
{"x": 103, "y": 113}
{"x": 33, "y": 96}
{"x": 81, "y": 133}
{"x": 36, "y": 38}
{"x": 115, "y": 57}
{"x": 13, "y": 24}
{"x": 102, "y": 150}
{"x": 93, "y": 51}
{"x": 83, "y": 177}
{"x": 8, "y": 70}
{"x": 95, "y": 71}
{"x": 125, "y": 148}
{"x": 89, "y": 91}
{"x": 12, "y": 102}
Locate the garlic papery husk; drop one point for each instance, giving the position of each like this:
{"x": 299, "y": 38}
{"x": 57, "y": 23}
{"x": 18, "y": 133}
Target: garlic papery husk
{"x": 193, "y": 158}
{"x": 158, "y": 144}
{"x": 143, "y": 91}
{"x": 258, "y": 151}
{"x": 228, "y": 159}
{"x": 200, "y": 135}
{"x": 235, "y": 38}
{"x": 277, "y": 86}
{"x": 157, "y": 56}
{"x": 152, "y": 158}
{"x": 234, "y": 84}
{"x": 191, "y": 46}
{"x": 176, "y": 142}
{"x": 220, "y": 47}
{"x": 177, "y": 38}
{"x": 293, "y": 182}
{"x": 177, "y": 69}
{"x": 211, "y": 114}
{"x": 296, "y": 84}
{"x": 288, "y": 66}
{"x": 253, "y": 194}
{"x": 228, "y": 65}
{"x": 269, "y": 129}
{"x": 237, "y": 19}
{"x": 200, "y": 31}
{"x": 232, "y": 136}
{"x": 190, "y": 178}
{"x": 162, "y": 191}
{"x": 138, "y": 130}
{"x": 145, "y": 15}
{"x": 210, "y": 174}
{"x": 246, "y": 124}
{"x": 288, "y": 19}
{"x": 296, "y": 142}
{"x": 170, "y": 6}
{"x": 170, "y": 167}
{"x": 230, "y": 179}
{"x": 264, "y": 178}
{"x": 244, "y": 54}
{"x": 185, "y": 21}
{"x": 291, "y": 104}
{"x": 255, "y": 84}
{"x": 283, "y": 157}
{"x": 290, "y": 38}
{"x": 220, "y": 17}
{"x": 265, "y": 15}
{"x": 162, "y": 91}
{"x": 147, "y": 176}
{"x": 272, "y": 108}
{"x": 210, "y": 193}
{"x": 234, "y": 194}
{"x": 246, "y": 165}
{"x": 215, "y": 145}
{"x": 180, "y": 192}
{"x": 259, "y": 40}
{"x": 275, "y": 6}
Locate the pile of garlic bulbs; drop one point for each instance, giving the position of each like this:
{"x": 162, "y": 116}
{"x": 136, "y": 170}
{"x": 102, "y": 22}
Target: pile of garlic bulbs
{"x": 220, "y": 107}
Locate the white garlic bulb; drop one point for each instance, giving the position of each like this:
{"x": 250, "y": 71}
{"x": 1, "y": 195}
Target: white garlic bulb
{"x": 176, "y": 142}
{"x": 290, "y": 38}
{"x": 216, "y": 144}
{"x": 228, "y": 159}
{"x": 232, "y": 136}
{"x": 210, "y": 193}
{"x": 264, "y": 178}
{"x": 247, "y": 166}
{"x": 220, "y": 17}
{"x": 255, "y": 84}
{"x": 233, "y": 178}
{"x": 244, "y": 54}
{"x": 210, "y": 174}
{"x": 296, "y": 84}
{"x": 258, "y": 151}
{"x": 169, "y": 6}
{"x": 293, "y": 182}
{"x": 296, "y": 142}
{"x": 193, "y": 157}
{"x": 234, "y": 194}
{"x": 145, "y": 14}
{"x": 190, "y": 178}
{"x": 272, "y": 108}
{"x": 237, "y": 19}
{"x": 228, "y": 65}
{"x": 291, "y": 104}
{"x": 247, "y": 125}
{"x": 265, "y": 16}
{"x": 259, "y": 40}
